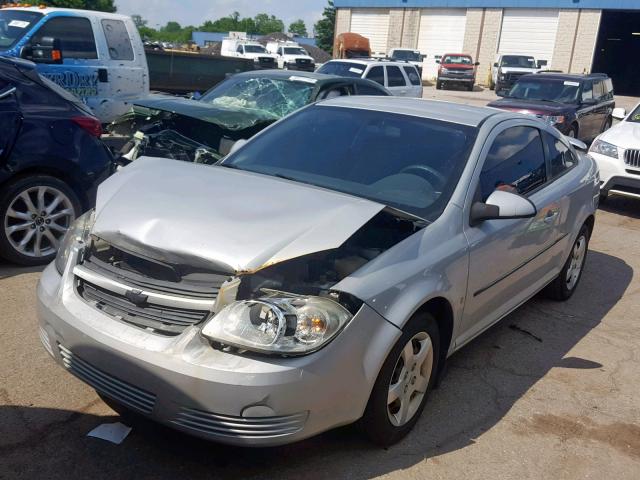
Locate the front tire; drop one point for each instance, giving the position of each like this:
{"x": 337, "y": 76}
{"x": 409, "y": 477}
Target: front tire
{"x": 404, "y": 382}
{"x": 35, "y": 213}
{"x": 565, "y": 284}
{"x": 438, "y": 85}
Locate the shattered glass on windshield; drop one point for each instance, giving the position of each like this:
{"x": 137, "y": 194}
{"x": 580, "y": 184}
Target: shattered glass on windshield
{"x": 268, "y": 96}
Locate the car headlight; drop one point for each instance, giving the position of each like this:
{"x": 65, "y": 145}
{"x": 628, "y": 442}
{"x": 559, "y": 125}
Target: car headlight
{"x": 282, "y": 324}
{"x": 503, "y": 77}
{"x": 256, "y": 60}
{"x": 604, "y": 148}
{"x": 444, "y": 70}
{"x": 78, "y": 232}
{"x": 553, "y": 119}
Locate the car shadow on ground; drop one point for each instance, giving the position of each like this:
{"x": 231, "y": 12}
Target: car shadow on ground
{"x": 11, "y": 270}
{"x": 484, "y": 381}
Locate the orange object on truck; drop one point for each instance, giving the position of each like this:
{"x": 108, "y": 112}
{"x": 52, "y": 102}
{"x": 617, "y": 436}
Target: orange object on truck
{"x": 351, "y": 45}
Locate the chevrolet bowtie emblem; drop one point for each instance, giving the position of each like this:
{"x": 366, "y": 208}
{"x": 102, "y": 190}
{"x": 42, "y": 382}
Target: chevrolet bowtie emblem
{"x": 137, "y": 298}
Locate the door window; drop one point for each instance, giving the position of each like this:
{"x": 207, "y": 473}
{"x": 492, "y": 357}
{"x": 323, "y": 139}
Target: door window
{"x": 370, "y": 90}
{"x": 396, "y": 78}
{"x": 515, "y": 163}
{"x": 377, "y": 75}
{"x": 118, "y": 41}
{"x": 598, "y": 90}
{"x": 561, "y": 158}
{"x": 75, "y": 35}
{"x": 413, "y": 76}
{"x": 587, "y": 91}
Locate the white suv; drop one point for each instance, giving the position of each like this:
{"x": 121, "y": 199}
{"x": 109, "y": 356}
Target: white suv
{"x": 400, "y": 78}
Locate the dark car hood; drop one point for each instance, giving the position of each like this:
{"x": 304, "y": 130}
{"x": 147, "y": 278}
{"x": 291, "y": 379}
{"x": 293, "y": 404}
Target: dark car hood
{"x": 535, "y": 107}
{"x": 226, "y": 117}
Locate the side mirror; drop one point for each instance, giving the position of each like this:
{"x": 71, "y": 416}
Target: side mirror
{"x": 541, "y": 63}
{"x": 238, "y": 145}
{"x": 577, "y": 144}
{"x": 48, "y": 51}
{"x": 619, "y": 113}
{"x": 423, "y": 57}
{"x": 502, "y": 205}
{"x": 477, "y": 63}
{"x": 495, "y": 64}
{"x": 438, "y": 61}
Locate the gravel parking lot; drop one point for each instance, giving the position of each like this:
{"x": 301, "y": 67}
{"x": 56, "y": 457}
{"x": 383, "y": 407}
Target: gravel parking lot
{"x": 553, "y": 391}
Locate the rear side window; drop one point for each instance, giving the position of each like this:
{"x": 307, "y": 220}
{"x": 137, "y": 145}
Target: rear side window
{"x": 118, "y": 42}
{"x": 561, "y": 158}
{"x": 515, "y": 163}
{"x": 376, "y": 74}
{"x": 395, "y": 77}
{"x": 343, "y": 69}
{"x": 598, "y": 90}
{"x": 413, "y": 76}
{"x": 75, "y": 35}
{"x": 587, "y": 91}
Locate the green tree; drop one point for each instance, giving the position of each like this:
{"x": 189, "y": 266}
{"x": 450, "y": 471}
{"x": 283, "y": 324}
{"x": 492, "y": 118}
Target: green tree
{"x": 101, "y": 5}
{"x": 268, "y": 24}
{"x": 298, "y": 28}
{"x": 325, "y": 28}
{"x": 139, "y": 21}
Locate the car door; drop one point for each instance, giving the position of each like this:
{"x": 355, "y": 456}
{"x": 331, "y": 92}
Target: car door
{"x": 604, "y": 107}
{"x": 411, "y": 73}
{"x": 80, "y": 72}
{"x": 376, "y": 74}
{"x": 396, "y": 82}
{"x": 510, "y": 260}
{"x": 10, "y": 118}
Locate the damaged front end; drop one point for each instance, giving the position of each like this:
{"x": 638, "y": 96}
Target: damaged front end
{"x": 288, "y": 308}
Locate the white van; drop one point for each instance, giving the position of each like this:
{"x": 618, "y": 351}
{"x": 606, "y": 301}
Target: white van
{"x": 239, "y": 48}
{"x": 97, "y": 56}
{"x": 291, "y": 56}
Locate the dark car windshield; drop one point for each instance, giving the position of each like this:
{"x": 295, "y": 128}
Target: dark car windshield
{"x": 518, "y": 61}
{"x": 277, "y": 97}
{"x": 294, "y": 51}
{"x": 14, "y": 24}
{"x": 407, "y": 55}
{"x": 343, "y": 69}
{"x": 409, "y": 163}
{"x": 463, "y": 59}
{"x": 254, "y": 49}
{"x": 554, "y": 90}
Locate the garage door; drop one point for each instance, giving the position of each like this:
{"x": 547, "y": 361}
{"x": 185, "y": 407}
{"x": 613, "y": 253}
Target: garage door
{"x": 529, "y": 32}
{"x": 441, "y": 31}
{"x": 372, "y": 23}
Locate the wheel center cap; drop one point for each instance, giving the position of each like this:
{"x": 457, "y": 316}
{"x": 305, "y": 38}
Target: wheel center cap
{"x": 39, "y": 221}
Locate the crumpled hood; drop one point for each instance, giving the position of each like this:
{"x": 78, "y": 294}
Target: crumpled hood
{"x": 225, "y": 219}
{"x": 224, "y": 116}
{"x": 624, "y": 134}
{"x": 533, "y": 107}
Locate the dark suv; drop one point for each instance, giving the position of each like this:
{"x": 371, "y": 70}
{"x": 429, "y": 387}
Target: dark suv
{"x": 51, "y": 162}
{"x": 579, "y": 106}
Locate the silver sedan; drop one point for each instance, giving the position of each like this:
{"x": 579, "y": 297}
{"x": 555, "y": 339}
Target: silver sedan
{"x": 322, "y": 273}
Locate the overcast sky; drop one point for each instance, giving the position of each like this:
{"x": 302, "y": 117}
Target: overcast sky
{"x": 196, "y": 12}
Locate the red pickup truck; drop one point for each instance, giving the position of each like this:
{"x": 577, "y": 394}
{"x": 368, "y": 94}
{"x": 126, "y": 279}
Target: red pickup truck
{"x": 456, "y": 68}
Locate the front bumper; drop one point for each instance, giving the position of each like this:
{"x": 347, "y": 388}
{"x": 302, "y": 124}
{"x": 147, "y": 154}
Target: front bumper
{"x": 451, "y": 79}
{"x": 616, "y": 177}
{"x": 186, "y": 384}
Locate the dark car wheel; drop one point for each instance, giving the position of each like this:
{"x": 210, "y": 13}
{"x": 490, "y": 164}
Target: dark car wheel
{"x": 607, "y": 124}
{"x": 438, "y": 85}
{"x": 565, "y": 284}
{"x": 470, "y": 87}
{"x": 36, "y": 213}
{"x": 404, "y": 381}
{"x": 573, "y": 132}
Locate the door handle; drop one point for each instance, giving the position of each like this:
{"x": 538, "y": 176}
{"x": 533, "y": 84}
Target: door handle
{"x": 550, "y": 217}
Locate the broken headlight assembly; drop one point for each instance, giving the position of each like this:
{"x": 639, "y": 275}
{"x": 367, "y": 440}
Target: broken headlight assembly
{"x": 77, "y": 232}
{"x": 279, "y": 324}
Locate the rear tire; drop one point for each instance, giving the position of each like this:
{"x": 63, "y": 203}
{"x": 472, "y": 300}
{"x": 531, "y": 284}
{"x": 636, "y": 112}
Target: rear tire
{"x": 573, "y": 132}
{"x": 565, "y": 284}
{"x": 35, "y": 212}
{"x": 406, "y": 378}
{"x": 470, "y": 87}
{"x": 607, "y": 124}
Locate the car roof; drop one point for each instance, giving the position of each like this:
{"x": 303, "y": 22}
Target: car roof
{"x": 415, "y": 107}
{"x": 370, "y": 60}
{"x": 72, "y": 11}
{"x": 575, "y": 77}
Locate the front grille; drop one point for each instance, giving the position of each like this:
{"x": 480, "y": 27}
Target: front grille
{"x": 513, "y": 77}
{"x": 120, "y": 391}
{"x": 239, "y": 427}
{"x": 303, "y": 61}
{"x": 266, "y": 61}
{"x": 158, "y": 318}
{"x": 632, "y": 158}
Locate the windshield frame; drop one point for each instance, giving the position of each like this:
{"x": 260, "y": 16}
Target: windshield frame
{"x": 21, "y": 16}
{"x": 533, "y": 62}
{"x": 297, "y": 51}
{"x": 252, "y": 49}
{"x": 461, "y": 62}
{"x": 543, "y": 81}
{"x": 429, "y": 213}
{"x": 407, "y": 55}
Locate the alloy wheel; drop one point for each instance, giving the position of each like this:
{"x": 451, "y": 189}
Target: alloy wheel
{"x": 410, "y": 379}
{"x": 37, "y": 219}
{"x": 576, "y": 262}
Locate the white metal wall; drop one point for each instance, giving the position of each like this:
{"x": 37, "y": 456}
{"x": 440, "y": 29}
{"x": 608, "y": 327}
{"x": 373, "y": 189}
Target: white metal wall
{"x": 372, "y": 23}
{"x": 441, "y": 31}
{"x": 529, "y": 31}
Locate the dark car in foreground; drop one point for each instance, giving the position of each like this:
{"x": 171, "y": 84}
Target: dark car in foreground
{"x": 580, "y": 106}
{"x": 204, "y": 130}
{"x": 51, "y": 162}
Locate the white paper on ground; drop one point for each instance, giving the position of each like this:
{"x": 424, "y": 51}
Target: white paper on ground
{"x": 111, "y": 432}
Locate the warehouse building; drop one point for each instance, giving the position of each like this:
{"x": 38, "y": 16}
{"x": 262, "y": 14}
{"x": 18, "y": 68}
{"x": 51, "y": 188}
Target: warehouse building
{"x": 572, "y": 35}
